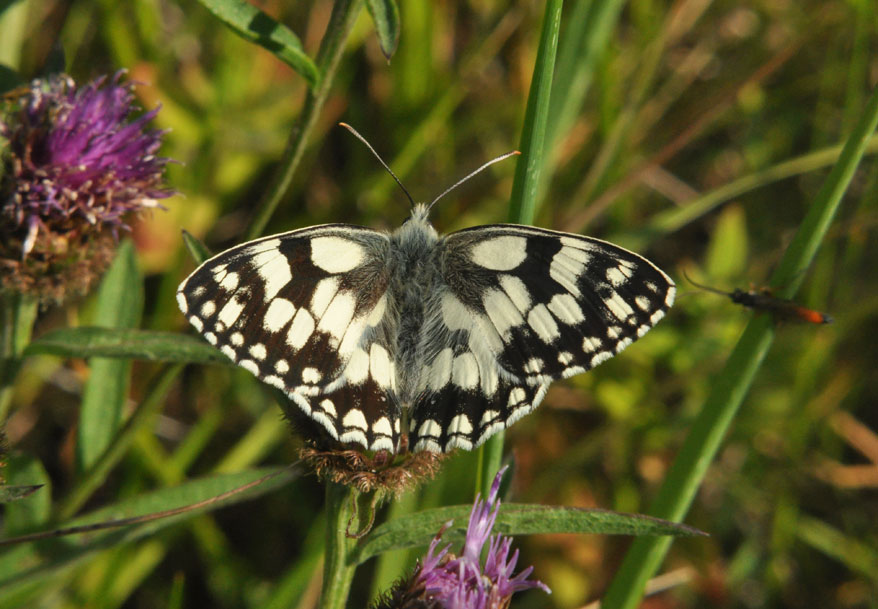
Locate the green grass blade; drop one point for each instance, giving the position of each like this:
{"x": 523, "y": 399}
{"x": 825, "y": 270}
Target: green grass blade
{"x": 523, "y": 201}
{"x": 150, "y": 345}
{"x": 119, "y": 305}
{"x": 252, "y": 24}
{"x": 514, "y": 519}
{"x": 199, "y": 252}
{"x": 385, "y": 15}
{"x": 732, "y": 384}
{"x": 530, "y": 165}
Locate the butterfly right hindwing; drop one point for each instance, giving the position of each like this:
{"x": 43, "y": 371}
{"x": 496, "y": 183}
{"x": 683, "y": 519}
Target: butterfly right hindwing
{"x": 304, "y": 312}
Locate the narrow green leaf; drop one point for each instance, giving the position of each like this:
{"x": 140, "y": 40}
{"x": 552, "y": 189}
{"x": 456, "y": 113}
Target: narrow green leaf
{"x": 72, "y": 549}
{"x": 9, "y": 79}
{"x": 199, "y": 252}
{"x": 32, "y": 510}
{"x": 732, "y": 384}
{"x": 514, "y": 519}
{"x": 119, "y": 305}
{"x": 151, "y": 345}
{"x": 385, "y": 15}
{"x": 14, "y": 493}
{"x": 252, "y": 24}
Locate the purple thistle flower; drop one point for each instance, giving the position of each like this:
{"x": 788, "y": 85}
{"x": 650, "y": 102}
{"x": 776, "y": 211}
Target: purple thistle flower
{"x": 460, "y": 582}
{"x": 74, "y": 166}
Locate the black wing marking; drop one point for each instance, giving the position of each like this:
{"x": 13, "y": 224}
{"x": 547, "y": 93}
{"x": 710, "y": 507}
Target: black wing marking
{"x": 304, "y": 312}
{"x": 520, "y": 308}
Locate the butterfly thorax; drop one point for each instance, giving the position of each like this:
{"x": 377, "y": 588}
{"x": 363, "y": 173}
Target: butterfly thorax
{"x": 414, "y": 270}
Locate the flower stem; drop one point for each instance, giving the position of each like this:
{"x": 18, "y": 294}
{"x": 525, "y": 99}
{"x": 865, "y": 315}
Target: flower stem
{"x": 344, "y": 15}
{"x": 17, "y": 315}
{"x": 338, "y": 571}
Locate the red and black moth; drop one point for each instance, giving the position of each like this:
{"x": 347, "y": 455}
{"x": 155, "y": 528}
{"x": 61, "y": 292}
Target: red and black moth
{"x": 762, "y": 299}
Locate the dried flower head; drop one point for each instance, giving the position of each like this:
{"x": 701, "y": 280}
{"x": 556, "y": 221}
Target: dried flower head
{"x": 446, "y": 581}
{"x": 75, "y": 164}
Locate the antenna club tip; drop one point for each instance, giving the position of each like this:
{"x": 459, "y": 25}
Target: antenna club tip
{"x": 345, "y": 125}
{"x": 516, "y": 152}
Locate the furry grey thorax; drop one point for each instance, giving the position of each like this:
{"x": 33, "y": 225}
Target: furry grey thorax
{"x": 414, "y": 269}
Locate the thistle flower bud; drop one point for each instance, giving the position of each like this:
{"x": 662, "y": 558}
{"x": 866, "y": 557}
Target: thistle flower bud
{"x": 75, "y": 165}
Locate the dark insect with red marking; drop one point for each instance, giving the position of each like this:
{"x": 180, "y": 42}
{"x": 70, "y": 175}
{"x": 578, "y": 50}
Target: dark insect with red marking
{"x": 762, "y": 300}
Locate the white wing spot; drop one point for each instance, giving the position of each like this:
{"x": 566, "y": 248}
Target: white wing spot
{"x": 380, "y": 366}
{"x": 237, "y": 339}
{"x": 565, "y": 357}
{"x": 533, "y": 365}
{"x": 565, "y": 308}
{"x": 614, "y": 332}
{"x": 273, "y": 267}
{"x": 542, "y": 322}
{"x": 279, "y": 314}
{"x": 655, "y": 317}
{"x": 354, "y": 436}
{"x": 568, "y": 264}
{"x": 355, "y": 418}
{"x": 230, "y": 282}
{"x": 282, "y": 366}
{"x": 229, "y": 352}
{"x": 211, "y": 337}
{"x": 329, "y": 407}
{"x": 323, "y": 294}
{"x": 426, "y": 444}
{"x": 616, "y": 277}
{"x": 311, "y": 376}
{"x": 591, "y": 344}
{"x": 196, "y": 323}
{"x": 502, "y": 253}
{"x": 623, "y": 343}
{"x": 458, "y": 442}
{"x": 460, "y": 424}
{"x": 250, "y": 366}
{"x": 181, "y": 302}
{"x": 440, "y": 370}
{"x": 382, "y": 427}
{"x": 338, "y": 315}
{"x": 488, "y": 416}
{"x": 208, "y": 308}
{"x": 382, "y": 443}
{"x": 465, "y": 371}
{"x": 502, "y": 312}
{"x": 516, "y": 290}
{"x": 357, "y": 369}
{"x": 258, "y": 351}
{"x": 643, "y": 330}
{"x": 430, "y": 428}
{"x": 229, "y": 314}
{"x": 643, "y": 303}
{"x": 600, "y": 358}
{"x": 336, "y": 255}
{"x": 275, "y": 381}
{"x": 669, "y": 297}
{"x": 300, "y": 330}
{"x": 618, "y": 307}
{"x": 516, "y": 396}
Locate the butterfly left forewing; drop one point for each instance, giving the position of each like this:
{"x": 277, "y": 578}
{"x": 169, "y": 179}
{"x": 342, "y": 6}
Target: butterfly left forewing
{"x": 521, "y": 307}
{"x": 304, "y": 312}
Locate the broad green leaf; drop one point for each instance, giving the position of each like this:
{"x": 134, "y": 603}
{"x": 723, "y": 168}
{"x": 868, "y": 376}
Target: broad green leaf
{"x": 72, "y": 549}
{"x": 385, "y": 15}
{"x": 197, "y": 249}
{"x": 9, "y": 79}
{"x": 14, "y": 493}
{"x": 119, "y": 305}
{"x": 151, "y": 345}
{"x": 252, "y": 24}
{"x": 514, "y": 519}
{"x": 32, "y": 510}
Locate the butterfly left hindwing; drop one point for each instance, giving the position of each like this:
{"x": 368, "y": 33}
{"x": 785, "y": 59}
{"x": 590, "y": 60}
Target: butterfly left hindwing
{"x": 305, "y": 312}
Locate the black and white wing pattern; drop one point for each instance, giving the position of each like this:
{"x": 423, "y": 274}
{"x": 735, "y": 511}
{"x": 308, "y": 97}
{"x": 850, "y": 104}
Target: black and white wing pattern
{"x": 304, "y": 312}
{"x": 516, "y": 308}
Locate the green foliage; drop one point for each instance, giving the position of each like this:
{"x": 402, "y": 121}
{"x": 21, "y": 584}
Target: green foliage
{"x": 701, "y": 135}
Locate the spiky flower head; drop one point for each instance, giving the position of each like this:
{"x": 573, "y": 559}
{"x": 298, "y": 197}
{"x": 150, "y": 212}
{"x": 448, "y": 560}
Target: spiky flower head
{"x": 446, "y": 581}
{"x": 75, "y": 165}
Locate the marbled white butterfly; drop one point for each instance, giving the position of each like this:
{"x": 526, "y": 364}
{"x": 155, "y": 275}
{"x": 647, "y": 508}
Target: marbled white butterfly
{"x": 441, "y": 340}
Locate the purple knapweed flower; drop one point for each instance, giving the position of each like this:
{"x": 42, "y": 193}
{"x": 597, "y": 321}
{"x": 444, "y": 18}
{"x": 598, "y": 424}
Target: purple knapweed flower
{"x": 446, "y": 581}
{"x": 74, "y": 165}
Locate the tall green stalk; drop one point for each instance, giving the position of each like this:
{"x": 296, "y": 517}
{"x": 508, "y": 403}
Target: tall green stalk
{"x": 338, "y": 570}
{"x": 344, "y": 15}
{"x": 17, "y": 315}
{"x": 710, "y": 426}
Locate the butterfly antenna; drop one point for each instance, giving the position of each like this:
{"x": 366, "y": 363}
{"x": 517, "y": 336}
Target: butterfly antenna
{"x": 380, "y": 160}
{"x": 702, "y": 286}
{"x": 464, "y": 179}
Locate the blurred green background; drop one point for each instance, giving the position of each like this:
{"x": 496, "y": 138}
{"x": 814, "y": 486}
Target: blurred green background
{"x": 720, "y": 104}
